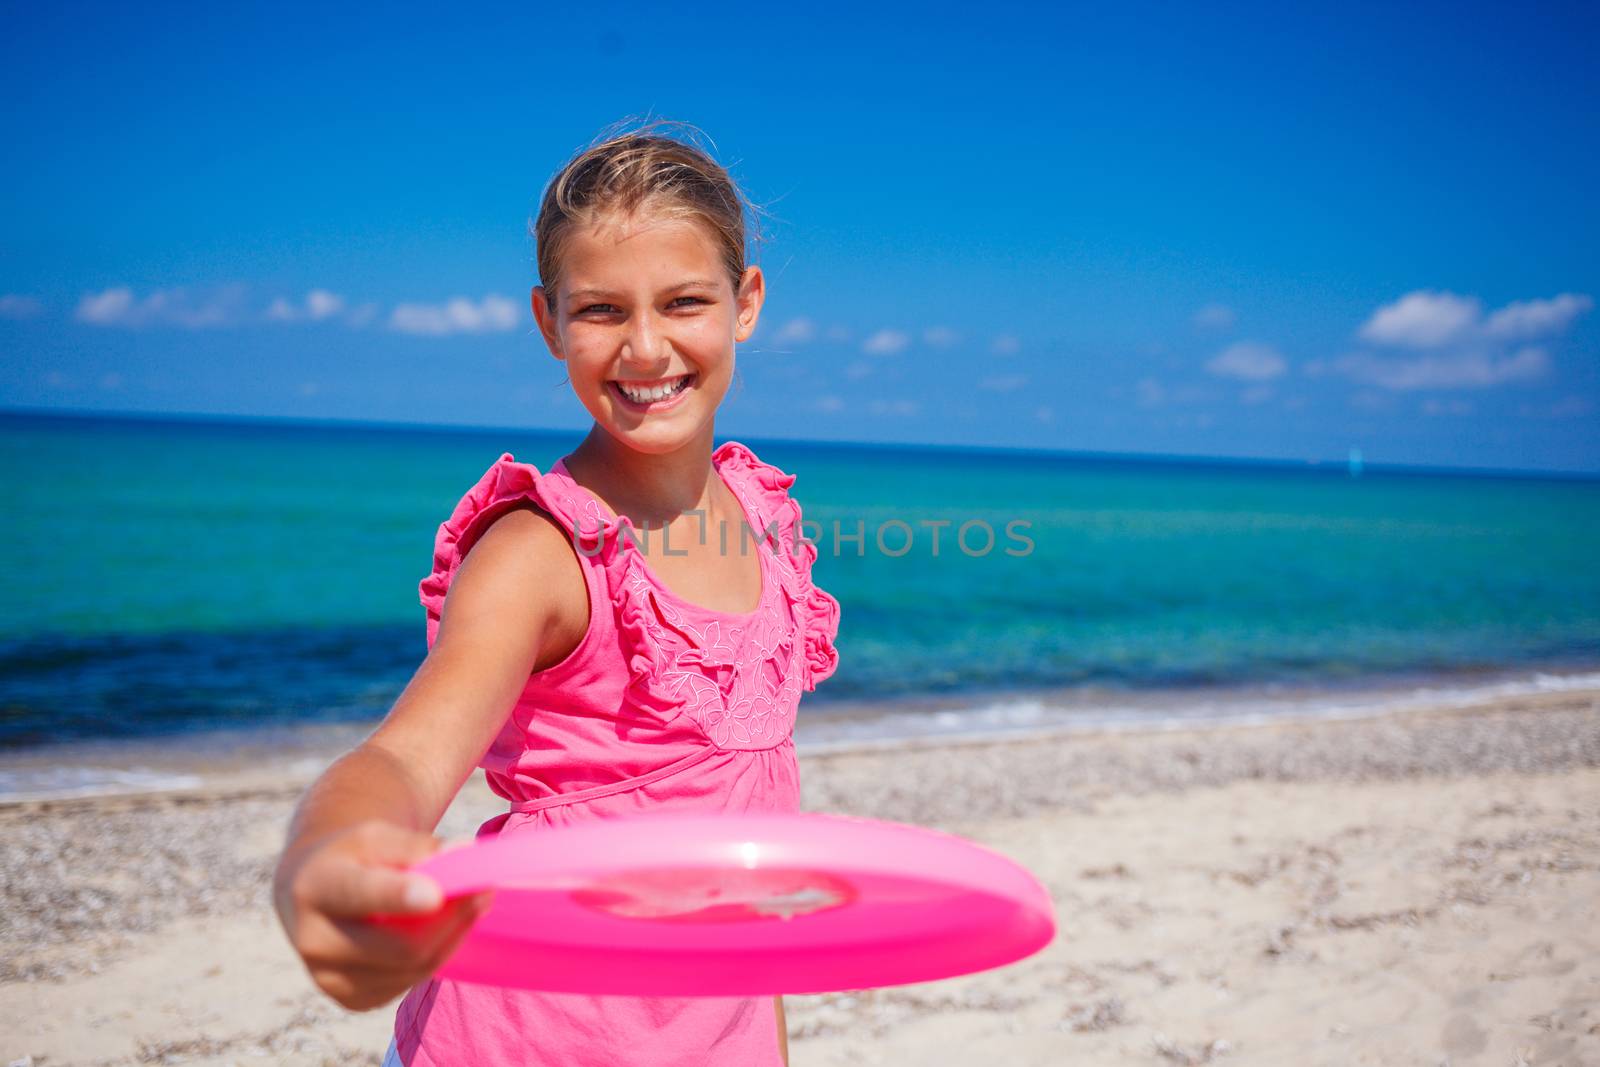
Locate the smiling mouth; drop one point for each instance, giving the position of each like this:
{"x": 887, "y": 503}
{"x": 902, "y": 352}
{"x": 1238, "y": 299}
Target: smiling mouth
{"x": 645, "y": 394}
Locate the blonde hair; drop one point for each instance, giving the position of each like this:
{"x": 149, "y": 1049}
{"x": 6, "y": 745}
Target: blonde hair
{"x": 624, "y": 172}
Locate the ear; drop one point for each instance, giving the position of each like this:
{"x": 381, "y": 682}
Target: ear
{"x": 752, "y": 294}
{"x": 547, "y": 323}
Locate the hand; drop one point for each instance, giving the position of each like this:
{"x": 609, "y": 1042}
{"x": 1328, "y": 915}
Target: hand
{"x": 366, "y": 930}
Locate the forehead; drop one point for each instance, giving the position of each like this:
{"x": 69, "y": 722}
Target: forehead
{"x": 615, "y": 252}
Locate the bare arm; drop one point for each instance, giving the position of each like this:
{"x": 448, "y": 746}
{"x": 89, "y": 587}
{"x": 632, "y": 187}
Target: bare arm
{"x": 783, "y": 1029}
{"x": 510, "y": 609}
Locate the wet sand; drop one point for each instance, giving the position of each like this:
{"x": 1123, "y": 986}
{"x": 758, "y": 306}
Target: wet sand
{"x": 1413, "y": 888}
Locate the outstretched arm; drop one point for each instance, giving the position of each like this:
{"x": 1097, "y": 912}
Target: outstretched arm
{"x": 783, "y": 1029}
{"x": 374, "y": 811}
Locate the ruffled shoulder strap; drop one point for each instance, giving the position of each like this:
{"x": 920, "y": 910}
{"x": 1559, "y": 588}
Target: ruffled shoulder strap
{"x": 503, "y": 486}
{"x": 767, "y": 489}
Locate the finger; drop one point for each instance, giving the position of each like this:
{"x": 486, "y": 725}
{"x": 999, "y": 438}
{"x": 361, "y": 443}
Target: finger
{"x": 355, "y": 889}
{"x": 384, "y": 845}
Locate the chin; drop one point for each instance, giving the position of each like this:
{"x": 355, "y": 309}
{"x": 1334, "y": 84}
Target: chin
{"x": 655, "y": 441}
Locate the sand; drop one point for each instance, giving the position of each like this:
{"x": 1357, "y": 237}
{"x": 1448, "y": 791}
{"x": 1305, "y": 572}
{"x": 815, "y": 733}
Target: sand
{"x": 1418, "y": 888}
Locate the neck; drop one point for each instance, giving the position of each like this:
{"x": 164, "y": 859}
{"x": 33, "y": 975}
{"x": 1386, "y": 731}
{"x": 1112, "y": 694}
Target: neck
{"x": 647, "y": 487}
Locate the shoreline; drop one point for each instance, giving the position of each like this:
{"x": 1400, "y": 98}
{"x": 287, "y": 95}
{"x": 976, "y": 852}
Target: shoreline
{"x": 1325, "y": 891}
{"x": 247, "y": 762}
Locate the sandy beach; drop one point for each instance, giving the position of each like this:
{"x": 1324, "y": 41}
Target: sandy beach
{"x": 1415, "y": 888}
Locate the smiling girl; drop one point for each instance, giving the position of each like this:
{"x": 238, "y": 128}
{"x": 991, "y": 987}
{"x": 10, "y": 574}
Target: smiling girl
{"x": 628, "y": 631}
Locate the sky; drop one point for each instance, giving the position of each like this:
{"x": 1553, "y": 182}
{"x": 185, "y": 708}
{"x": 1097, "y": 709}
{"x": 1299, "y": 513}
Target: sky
{"x": 1200, "y": 230}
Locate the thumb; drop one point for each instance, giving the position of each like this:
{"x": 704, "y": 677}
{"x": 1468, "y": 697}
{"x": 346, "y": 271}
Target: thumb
{"x": 391, "y": 887}
{"x": 391, "y": 892}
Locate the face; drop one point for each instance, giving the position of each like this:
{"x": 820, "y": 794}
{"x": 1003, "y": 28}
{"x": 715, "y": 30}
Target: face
{"x": 645, "y": 307}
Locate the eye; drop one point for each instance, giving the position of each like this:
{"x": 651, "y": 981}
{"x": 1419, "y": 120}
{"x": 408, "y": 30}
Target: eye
{"x": 692, "y": 299}
{"x": 598, "y": 307}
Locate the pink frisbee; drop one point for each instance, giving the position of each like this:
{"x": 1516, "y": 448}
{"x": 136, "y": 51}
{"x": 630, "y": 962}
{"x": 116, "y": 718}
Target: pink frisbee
{"x": 693, "y": 905}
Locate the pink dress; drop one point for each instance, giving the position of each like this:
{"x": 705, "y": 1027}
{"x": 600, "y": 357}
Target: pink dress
{"x": 663, "y": 705}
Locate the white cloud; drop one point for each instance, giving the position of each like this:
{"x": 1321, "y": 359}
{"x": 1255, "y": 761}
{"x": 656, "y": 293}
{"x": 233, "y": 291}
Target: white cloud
{"x": 1457, "y": 346}
{"x": 838, "y": 334}
{"x": 893, "y": 407}
{"x": 1423, "y": 319}
{"x": 1526, "y": 319}
{"x": 1427, "y": 319}
{"x": 1004, "y": 383}
{"x": 494, "y": 313}
{"x": 1005, "y": 345}
{"x": 164, "y": 307}
{"x": 796, "y": 332}
{"x": 940, "y": 336}
{"x": 1214, "y": 317}
{"x": 830, "y": 404}
{"x": 858, "y": 370}
{"x": 1044, "y": 413}
{"x": 885, "y": 343}
{"x": 320, "y": 305}
{"x": 1249, "y": 361}
{"x": 105, "y": 308}
{"x": 17, "y": 306}
{"x": 1256, "y": 394}
{"x": 1459, "y": 370}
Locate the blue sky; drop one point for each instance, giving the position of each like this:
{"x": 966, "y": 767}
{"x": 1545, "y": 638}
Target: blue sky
{"x": 1194, "y": 230}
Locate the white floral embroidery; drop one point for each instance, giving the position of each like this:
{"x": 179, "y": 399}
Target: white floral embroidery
{"x": 717, "y": 670}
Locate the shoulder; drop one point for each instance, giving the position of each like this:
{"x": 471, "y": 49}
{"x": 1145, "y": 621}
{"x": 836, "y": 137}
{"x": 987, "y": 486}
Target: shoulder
{"x": 506, "y": 487}
{"x": 521, "y": 539}
{"x": 506, "y": 549}
{"x": 506, "y": 484}
{"x": 523, "y": 568}
{"x": 521, "y": 579}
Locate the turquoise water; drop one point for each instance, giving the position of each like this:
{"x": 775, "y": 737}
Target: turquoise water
{"x": 173, "y": 575}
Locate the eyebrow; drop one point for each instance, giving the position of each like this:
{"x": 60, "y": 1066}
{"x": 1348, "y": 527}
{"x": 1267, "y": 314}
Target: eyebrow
{"x": 697, "y": 283}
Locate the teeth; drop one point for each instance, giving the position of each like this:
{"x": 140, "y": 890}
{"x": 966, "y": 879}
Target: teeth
{"x": 648, "y": 396}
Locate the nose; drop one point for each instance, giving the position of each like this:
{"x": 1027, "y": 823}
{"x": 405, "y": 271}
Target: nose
{"x": 644, "y": 345}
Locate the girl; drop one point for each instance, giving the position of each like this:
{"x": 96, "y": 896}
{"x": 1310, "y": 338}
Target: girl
{"x": 628, "y": 631}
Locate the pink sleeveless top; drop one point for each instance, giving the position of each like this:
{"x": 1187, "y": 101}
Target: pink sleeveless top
{"x": 662, "y": 705}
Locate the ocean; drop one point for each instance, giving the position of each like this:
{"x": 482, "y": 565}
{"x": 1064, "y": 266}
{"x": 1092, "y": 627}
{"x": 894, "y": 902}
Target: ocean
{"x": 211, "y": 584}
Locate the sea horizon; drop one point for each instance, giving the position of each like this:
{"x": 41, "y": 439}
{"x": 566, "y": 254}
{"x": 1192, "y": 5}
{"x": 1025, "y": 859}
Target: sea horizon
{"x": 1186, "y": 459}
{"x": 216, "y": 576}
